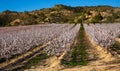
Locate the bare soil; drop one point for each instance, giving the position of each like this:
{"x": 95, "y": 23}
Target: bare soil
{"x": 100, "y": 59}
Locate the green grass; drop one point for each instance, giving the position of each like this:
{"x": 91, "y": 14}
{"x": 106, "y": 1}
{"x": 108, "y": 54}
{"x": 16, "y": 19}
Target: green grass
{"x": 75, "y": 63}
{"x": 35, "y": 61}
{"x": 32, "y": 62}
{"x": 78, "y": 54}
{"x": 15, "y": 56}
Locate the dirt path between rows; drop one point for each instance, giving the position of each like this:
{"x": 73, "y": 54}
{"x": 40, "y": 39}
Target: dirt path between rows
{"x": 100, "y": 59}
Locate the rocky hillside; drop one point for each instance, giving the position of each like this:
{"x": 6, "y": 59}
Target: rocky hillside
{"x": 61, "y": 14}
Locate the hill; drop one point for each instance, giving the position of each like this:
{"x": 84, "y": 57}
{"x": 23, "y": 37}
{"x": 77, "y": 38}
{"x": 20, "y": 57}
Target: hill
{"x": 61, "y": 14}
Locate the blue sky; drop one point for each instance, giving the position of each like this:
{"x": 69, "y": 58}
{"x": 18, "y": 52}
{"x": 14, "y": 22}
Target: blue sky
{"x": 29, "y": 5}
